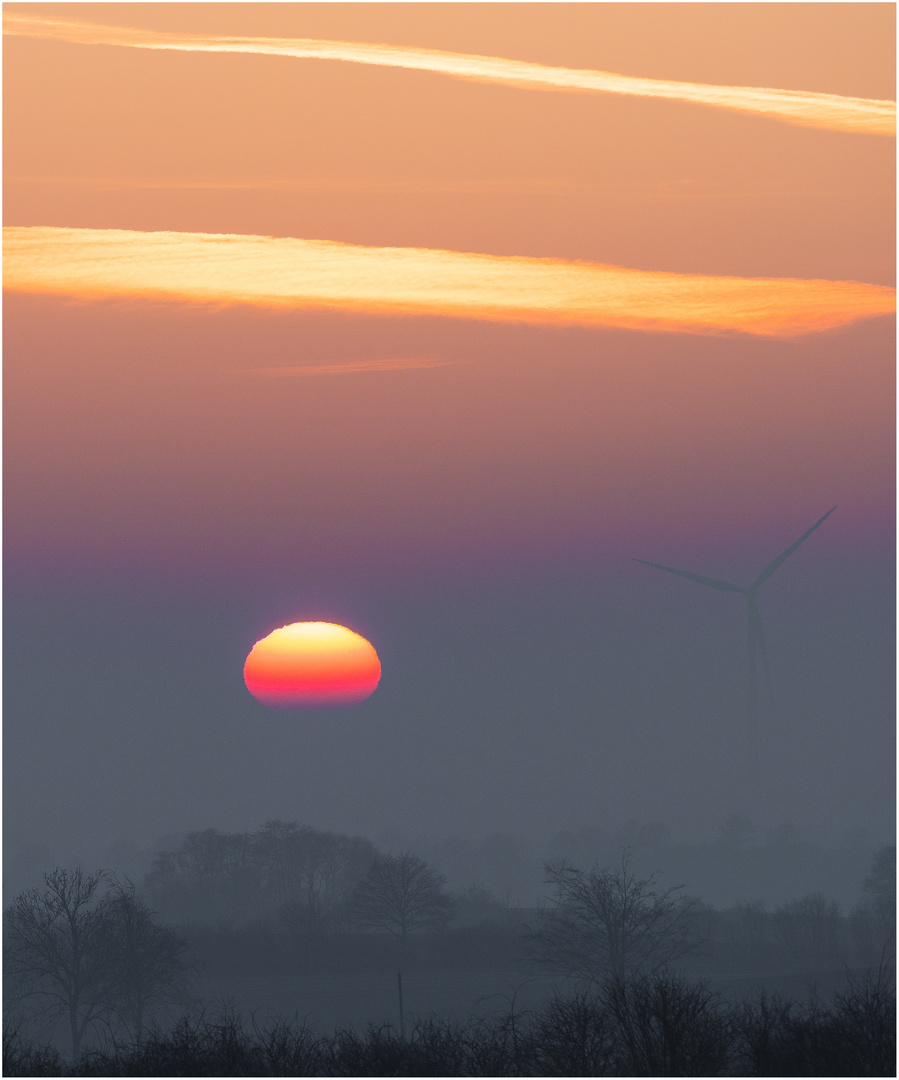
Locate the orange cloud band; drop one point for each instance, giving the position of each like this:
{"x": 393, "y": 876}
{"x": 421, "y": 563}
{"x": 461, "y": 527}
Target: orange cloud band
{"x": 830, "y": 111}
{"x": 283, "y": 272}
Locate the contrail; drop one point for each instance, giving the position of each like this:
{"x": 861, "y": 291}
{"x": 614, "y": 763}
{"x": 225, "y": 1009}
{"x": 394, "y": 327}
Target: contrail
{"x": 830, "y": 111}
{"x": 213, "y": 268}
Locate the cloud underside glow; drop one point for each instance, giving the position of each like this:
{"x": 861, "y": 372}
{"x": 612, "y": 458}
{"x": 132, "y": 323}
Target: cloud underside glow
{"x": 210, "y": 268}
{"x": 830, "y": 111}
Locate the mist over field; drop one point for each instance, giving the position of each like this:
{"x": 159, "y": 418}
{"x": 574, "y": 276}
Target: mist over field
{"x": 314, "y": 939}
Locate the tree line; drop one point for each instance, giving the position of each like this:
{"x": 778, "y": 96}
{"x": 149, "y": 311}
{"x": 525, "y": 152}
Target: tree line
{"x": 298, "y": 879}
{"x": 88, "y": 948}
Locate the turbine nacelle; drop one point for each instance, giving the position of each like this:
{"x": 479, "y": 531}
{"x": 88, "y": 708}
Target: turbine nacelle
{"x": 748, "y": 591}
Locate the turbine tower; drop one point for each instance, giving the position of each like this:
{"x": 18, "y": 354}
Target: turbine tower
{"x": 756, "y": 634}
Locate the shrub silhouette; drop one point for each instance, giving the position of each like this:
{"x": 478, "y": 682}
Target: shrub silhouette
{"x": 667, "y": 1026}
{"x": 574, "y": 1036}
{"x": 854, "y": 1036}
{"x": 646, "y": 1025}
{"x": 21, "y": 1058}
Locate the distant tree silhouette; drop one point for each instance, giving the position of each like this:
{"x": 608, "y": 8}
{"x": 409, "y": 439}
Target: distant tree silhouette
{"x": 879, "y": 891}
{"x": 296, "y": 874}
{"x": 401, "y": 894}
{"x": 212, "y": 876}
{"x": 811, "y": 926}
{"x": 751, "y": 926}
{"x": 874, "y": 919}
{"x": 607, "y": 922}
{"x": 736, "y": 833}
{"x": 308, "y": 874}
{"x": 650, "y": 838}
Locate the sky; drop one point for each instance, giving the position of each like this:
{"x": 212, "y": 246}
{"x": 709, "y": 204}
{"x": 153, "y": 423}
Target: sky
{"x": 428, "y": 320}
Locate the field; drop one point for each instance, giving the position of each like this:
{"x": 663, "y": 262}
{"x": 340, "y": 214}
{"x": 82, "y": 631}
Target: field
{"x": 326, "y": 1001}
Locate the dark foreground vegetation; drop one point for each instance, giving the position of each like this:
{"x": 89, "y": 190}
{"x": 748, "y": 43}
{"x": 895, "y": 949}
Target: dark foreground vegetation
{"x": 302, "y": 923}
{"x": 649, "y": 1025}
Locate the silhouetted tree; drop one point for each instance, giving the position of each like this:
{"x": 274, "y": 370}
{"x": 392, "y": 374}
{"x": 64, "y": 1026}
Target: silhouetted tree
{"x": 56, "y": 950}
{"x": 401, "y": 894}
{"x": 147, "y": 961}
{"x": 86, "y": 948}
{"x": 609, "y": 922}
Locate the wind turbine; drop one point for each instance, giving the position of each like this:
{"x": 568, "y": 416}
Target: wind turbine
{"x": 756, "y": 634}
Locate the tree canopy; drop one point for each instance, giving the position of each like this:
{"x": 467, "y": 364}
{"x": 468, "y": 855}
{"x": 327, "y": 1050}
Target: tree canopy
{"x": 401, "y": 894}
{"x": 609, "y": 922}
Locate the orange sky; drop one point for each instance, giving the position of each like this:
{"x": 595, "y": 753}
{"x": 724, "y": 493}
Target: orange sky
{"x": 359, "y": 152}
{"x": 367, "y": 158}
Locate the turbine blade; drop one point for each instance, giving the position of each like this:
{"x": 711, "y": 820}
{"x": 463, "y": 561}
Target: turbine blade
{"x": 712, "y": 583}
{"x": 758, "y": 632}
{"x": 775, "y": 563}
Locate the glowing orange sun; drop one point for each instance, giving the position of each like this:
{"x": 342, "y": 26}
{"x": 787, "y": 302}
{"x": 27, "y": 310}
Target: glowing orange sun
{"x": 312, "y": 664}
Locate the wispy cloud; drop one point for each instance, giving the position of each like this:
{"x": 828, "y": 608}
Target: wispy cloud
{"x": 830, "y": 111}
{"x": 214, "y": 268}
{"x": 350, "y": 367}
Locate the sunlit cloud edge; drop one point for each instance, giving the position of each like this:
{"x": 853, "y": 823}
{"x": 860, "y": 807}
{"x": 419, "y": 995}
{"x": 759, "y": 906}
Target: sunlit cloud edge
{"x": 278, "y": 272}
{"x": 832, "y": 112}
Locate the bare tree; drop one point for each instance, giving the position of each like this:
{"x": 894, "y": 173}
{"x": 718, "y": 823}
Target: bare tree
{"x": 609, "y": 922}
{"x": 147, "y": 961}
{"x": 86, "y": 949}
{"x": 401, "y": 894}
{"x": 56, "y": 949}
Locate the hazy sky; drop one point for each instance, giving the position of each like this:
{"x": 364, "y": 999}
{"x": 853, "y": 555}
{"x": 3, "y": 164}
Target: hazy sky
{"x": 616, "y": 319}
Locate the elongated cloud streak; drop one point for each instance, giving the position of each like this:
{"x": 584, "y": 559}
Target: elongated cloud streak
{"x": 350, "y": 367}
{"x": 278, "y": 272}
{"x": 829, "y": 111}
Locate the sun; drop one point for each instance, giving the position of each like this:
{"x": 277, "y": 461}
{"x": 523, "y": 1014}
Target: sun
{"x": 312, "y": 664}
